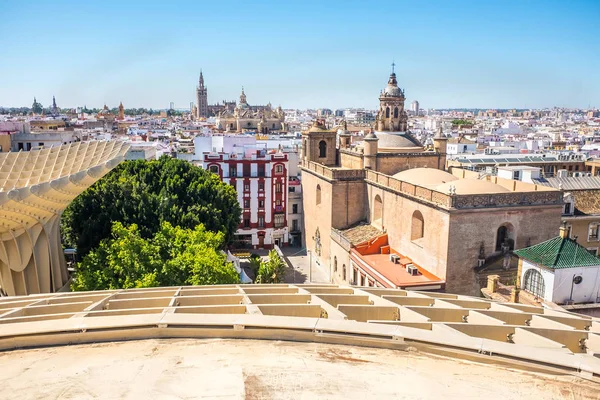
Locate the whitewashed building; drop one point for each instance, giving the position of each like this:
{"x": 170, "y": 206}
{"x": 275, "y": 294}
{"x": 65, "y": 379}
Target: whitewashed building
{"x": 560, "y": 270}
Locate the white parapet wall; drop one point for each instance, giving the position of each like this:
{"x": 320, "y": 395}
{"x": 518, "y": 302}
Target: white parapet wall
{"x": 35, "y": 188}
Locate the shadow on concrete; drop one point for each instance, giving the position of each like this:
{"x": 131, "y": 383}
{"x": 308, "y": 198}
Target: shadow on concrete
{"x": 293, "y": 275}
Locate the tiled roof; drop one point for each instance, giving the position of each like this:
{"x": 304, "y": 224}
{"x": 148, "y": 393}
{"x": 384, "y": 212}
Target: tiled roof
{"x": 360, "y": 233}
{"x": 587, "y": 202}
{"x": 559, "y": 253}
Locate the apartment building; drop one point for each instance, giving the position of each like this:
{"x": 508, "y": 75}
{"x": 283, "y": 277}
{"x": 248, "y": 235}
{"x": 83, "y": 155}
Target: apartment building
{"x": 261, "y": 181}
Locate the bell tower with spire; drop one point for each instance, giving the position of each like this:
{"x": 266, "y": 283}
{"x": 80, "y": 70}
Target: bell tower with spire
{"x": 391, "y": 116}
{"x": 243, "y": 101}
{"x": 201, "y": 98}
{"x": 54, "y": 109}
{"x": 121, "y": 116}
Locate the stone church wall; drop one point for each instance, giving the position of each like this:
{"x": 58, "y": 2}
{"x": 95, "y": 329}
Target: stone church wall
{"x": 318, "y": 216}
{"x": 391, "y": 164}
{"x": 528, "y": 226}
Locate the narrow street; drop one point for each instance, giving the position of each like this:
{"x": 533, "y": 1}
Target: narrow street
{"x": 300, "y": 271}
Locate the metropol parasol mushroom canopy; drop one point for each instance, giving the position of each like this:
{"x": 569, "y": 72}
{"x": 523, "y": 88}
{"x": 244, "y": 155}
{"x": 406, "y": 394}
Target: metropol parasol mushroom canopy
{"x": 35, "y": 188}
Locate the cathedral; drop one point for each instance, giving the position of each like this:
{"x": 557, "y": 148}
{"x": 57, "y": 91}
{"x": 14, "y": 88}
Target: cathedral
{"x": 385, "y": 212}
{"x": 240, "y": 117}
{"x": 261, "y": 119}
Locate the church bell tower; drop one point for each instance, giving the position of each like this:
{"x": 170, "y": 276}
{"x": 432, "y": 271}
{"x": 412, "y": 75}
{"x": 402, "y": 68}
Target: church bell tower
{"x": 201, "y": 98}
{"x": 391, "y": 116}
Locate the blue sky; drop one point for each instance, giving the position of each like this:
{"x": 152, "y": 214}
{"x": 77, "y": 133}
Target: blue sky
{"x": 487, "y": 54}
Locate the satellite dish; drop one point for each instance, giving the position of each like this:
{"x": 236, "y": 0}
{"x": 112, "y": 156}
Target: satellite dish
{"x": 577, "y": 280}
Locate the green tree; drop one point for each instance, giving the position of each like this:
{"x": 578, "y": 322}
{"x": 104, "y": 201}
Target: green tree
{"x": 146, "y": 193}
{"x": 254, "y": 262}
{"x": 272, "y": 270}
{"x": 36, "y": 107}
{"x": 462, "y": 122}
{"x": 174, "y": 256}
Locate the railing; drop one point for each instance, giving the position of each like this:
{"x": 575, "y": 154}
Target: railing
{"x": 409, "y": 189}
{"x": 507, "y": 199}
{"x": 333, "y": 173}
{"x": 466, "y": 200}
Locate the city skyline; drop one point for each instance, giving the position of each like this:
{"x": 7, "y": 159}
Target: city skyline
{"x": 471, "y": 55}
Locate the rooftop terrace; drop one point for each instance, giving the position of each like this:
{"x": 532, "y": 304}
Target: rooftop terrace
{"x": 514, "y": 335}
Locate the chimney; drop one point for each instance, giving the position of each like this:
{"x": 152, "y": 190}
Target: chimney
{"x": 492, "y": 283}
{"x": 564, "y": 232}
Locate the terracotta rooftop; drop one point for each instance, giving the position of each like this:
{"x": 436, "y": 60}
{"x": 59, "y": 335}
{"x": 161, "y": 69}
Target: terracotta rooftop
{"x": 396, "y": 273}
{"x": 587, "y": 202}
{"x": 361, "y": 233}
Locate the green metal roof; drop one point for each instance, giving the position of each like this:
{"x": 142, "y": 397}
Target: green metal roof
{"x": 559, "y": 253}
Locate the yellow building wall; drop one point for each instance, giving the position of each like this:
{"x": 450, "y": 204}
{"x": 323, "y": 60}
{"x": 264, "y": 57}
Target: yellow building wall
{"x": 580, "y": 230}
{"x": 343, "y": 260}
{"x": 5, "y": 142}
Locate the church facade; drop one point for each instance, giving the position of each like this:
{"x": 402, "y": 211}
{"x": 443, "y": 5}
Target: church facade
{"x": 240, "y": 117}
{"x": 385, "y": 212}
{"x": 261, "y": 119}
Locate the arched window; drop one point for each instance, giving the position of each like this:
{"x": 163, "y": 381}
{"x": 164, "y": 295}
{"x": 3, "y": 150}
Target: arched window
{"x": 335, "y": 264}
{"x": 378, "y": 211}
{"x": 318, "y": 194}
{"x": 534, "y": 283}
{"x": 214, "y": 169}
{"x": 504, "y": 237}
{"x": 396, "y": 112}
{"x": 273, "y": 126}
{"x": 387, "y": 112}
{"x": 279, "y": 169}
{"x": 322, "y": 148}
{"x": 417, "y": 228}
{"x": 344, "y": 272}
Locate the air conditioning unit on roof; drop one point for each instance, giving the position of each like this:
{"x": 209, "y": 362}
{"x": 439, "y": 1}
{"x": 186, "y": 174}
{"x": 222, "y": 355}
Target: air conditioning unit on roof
{"x": 412, "y": 269}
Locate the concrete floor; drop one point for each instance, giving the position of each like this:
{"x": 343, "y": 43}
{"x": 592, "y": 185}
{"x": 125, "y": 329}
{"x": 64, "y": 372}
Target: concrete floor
{"x": 247, "y": 369}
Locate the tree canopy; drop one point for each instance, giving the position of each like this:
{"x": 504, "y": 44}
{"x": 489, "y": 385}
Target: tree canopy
{"x": 462, "y": 122}
{"x": 272, "y": 270}
{"x": 147, "y": 193}
{"x": 173, "y": 256}
{"x": 36, "y": 107}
